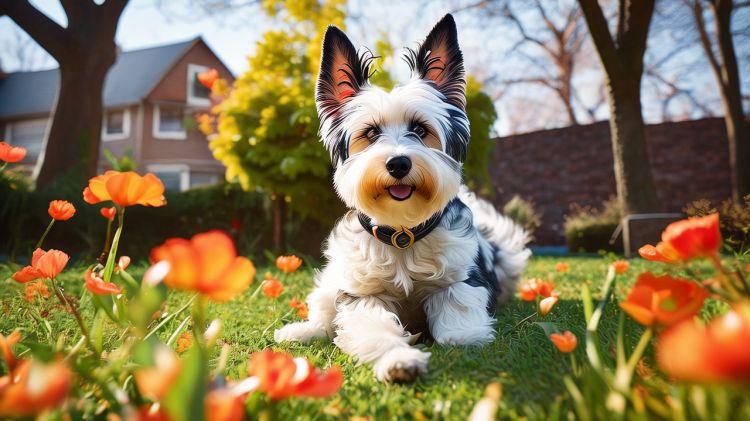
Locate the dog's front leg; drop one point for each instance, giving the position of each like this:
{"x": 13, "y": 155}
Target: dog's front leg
{"x": 458, "y": 315}
{"x": 368, "y": 329}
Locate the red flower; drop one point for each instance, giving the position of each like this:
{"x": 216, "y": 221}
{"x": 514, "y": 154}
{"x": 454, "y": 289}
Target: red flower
{"x": 663, "y": 300}
{"x": 272, "y": 288}
{"x": 301, "y": 307}
{"x": 108, "y": 213}
{"x": 282, "y": 376}
{"x": 565, "y": 342}
{"x": 97, "y": 286}
{"x": 686, "y": 239}
{"x": 532, "y": 288}
{"x": 208, "y": 78}
{"x": 61, "y": 210}
{"x": 288, "y": 264}
{"x": 44, "y": 264}
{"x": 562, "y": 267}
{"x": 620, "y": 266}
{"x": 11, "y": 154}
{"x": 155, "y": 381}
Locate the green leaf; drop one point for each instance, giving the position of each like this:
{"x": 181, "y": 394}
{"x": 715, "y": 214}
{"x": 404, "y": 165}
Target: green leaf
{"x": 184, "y": 401}
{"x": 548, "y": 327}
{"x": 97, "y": 331}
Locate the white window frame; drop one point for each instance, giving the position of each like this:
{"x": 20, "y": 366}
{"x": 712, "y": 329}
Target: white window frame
{"x": 175, "y": 135}
{"x": 183, "y": 169}
{"x": 9, "y": 131}
{"x": 192, "y": 70}
{"x": 125, "y": 126}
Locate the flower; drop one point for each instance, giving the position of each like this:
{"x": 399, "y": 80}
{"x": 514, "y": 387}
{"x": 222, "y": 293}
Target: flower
{"x": 208, "y": 78}
{"x": 10, "y": 153}
{"x": 545, "y": 306}
{"x": 532, "y": 288}
{"x": 97, "y": 286}
{"x": 272, "y": 288}
{"x": 565, "y": 342}
{"x": 663, "y": 300}
{"x": 33, "y": 388}
{"x": 207, "y": 263}
{"x": 155, "y": 381}
{"x": 44, "y": 264}
{"x": 123, "y": 262}
{"x": 717, "y": 352}
{"x": 184, "y": 342}
{"x": 205, "y": 123}
{"x": 686, "y": 239}
{"x": 35, "y": 288}
{"x": 125, "y": 189}
{"x": 224, "y": 405}
{"x": 301, "y": 307}
{"x": 562, "y": 267}
{"x": 108, "y": 213}
{"x": 6, "y": 343}
{"x": 288, "y": 264}
{"x": 61, "y": 210}
{"x": 620, "y": 266}
{"x": 282, "y": 376}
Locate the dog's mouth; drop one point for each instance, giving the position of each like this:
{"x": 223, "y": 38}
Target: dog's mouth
{"x": 400, "y": 191}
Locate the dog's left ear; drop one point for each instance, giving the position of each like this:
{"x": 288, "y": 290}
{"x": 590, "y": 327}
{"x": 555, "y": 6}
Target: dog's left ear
{"x": 439, "y": 60}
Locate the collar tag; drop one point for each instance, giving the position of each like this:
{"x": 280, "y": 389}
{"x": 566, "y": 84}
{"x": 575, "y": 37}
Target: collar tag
{"x": 402, "y": 238}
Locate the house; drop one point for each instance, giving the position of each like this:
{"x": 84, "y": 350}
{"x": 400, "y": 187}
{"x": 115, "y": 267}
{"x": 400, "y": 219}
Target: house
{"x": 151, "y": 97}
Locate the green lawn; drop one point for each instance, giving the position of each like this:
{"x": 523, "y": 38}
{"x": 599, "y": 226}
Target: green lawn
{"x": 522, "y": 359}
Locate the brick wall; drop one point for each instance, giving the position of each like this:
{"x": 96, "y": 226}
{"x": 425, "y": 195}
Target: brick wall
{"x": 555, "y": 168}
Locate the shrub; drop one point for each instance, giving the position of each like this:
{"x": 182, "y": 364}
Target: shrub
{"x": 522, "y": 212}
{"x": 734, "y": 220}
{"x": 589, "y": 230}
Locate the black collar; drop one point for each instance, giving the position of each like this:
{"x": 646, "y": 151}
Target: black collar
{"x": 401, "y": 238}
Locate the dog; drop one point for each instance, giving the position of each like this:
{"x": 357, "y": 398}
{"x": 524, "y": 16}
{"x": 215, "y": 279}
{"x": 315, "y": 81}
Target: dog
{"x": 417, "y": 252}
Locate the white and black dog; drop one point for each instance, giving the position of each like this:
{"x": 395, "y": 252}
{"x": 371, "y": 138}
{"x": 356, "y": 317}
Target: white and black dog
{"x": 418, "y": 252}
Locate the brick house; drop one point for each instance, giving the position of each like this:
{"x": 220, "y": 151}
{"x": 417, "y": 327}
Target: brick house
{"x": 150, "y": 98}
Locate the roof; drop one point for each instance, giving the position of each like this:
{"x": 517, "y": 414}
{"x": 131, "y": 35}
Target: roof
{"x": 129, "y": 80}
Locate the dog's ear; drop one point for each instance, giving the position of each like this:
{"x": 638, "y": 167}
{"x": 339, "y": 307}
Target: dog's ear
{"x": 439, "y": 60}
{"x": 343, "y": 72}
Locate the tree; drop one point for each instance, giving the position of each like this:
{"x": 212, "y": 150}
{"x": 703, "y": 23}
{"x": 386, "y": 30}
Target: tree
{"x": 725, "y": 70}
{"x": 85, "y": 50}
{"x": 622, "y": 60}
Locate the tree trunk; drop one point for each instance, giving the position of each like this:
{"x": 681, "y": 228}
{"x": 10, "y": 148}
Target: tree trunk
{"x": 279, "y": 212}
{"x": 72, "y": 148}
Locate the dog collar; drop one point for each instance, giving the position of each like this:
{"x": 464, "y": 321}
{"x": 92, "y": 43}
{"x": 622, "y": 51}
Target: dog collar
{"x": 402, "y": 238}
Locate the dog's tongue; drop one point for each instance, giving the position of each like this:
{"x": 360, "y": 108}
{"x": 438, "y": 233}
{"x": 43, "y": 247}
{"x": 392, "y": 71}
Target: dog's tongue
{"x": 400, "y": 191}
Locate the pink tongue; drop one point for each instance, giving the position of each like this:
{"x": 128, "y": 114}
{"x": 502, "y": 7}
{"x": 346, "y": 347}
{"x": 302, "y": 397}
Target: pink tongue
{"x": 400, "y": 192}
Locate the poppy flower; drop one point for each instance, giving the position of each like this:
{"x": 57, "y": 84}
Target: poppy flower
{"x": 687, "y": 239}
{"x": 207, "y": 263}
{"x": 96, "y": 285}
{"x": 301, "y": 307}
{"x": 108, "y": 213}
{"x": 717, "y": 352}
{"x": 125, "y": 189}
{"x": 562, "y": 267}
{"x": 272, "y": 288}
{"x": 228, "y": 403}
{"x": 32, "y": 388}
{"x": 6, "y": 345}
{"x": 155, "y": 381}
{"x": 545, "y": 306}
{"x": 532, "y": 288}
{"x": 44, "y": 264}
{"x": 281, "y": 376}
{"x": 208, "y": 78}
{"x": 34, "y": 289}
{"x": 10, "y": 153}
{"x": 288, "y": 264}
{"x": 61, "y": 210}
{"x": 663, "y": 300}
{"x": 620, "y": 266}
{"x": 565, "y": 342}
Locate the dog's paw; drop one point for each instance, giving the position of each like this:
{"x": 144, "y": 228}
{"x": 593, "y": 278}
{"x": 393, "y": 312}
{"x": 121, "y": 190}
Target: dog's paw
{"x": 479, "y": 335}
{"x": 299, "y": 332}
{"x": 401, "y": 365}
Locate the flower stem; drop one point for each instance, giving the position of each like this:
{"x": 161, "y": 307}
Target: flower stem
{"x": 110, "y": 266}
{"x": 625, "y": 373}
{"x": 725, "y": 278}
{"x": 64, "y": 301}
{"x": 41, "y": 240}
{"x": 107, "y": 240}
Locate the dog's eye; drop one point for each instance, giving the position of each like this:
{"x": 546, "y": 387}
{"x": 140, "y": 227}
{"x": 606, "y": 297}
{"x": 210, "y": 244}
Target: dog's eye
{"x": 419, "y": 130}
{"x": 372, "y": 133}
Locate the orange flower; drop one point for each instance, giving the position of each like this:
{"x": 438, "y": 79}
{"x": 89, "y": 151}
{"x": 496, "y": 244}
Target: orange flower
{"x": 208, "y": 78}
{"x": 620, "y": 266}
{"x": 11, "y": 154}
{"x": 272, "y": 288}
{"x": 663, "y": 300}
{"x": 123, "y": 262}
{"x": 184, "y": 342}
{"x": 35, "y": 288}
{"x": 300, "y": 306}
{"x": 154, "y": 382}
{"x": 562, "y": 267}
{"x": 228, "y": 403}
{"x": 288, "y": 264}
{"x": 565, "y": 342}
{"x": 125, "y": 189}
{"x": 207, "y": 263}
{"x": 61, "y": 210}
{"x": 685, "y": 240}
{"x": 97, "y": 286}
{"x": 32, "y": 388}
{"x": 282, "y": 376}
{"x": 6, "y": 345}
{"x": 44, "y": 264}
{"x": 108, "y": 213}
{"x": 532, "y": 288}
{"x": 717, "y": 352}
{"x": 545, "y": 306}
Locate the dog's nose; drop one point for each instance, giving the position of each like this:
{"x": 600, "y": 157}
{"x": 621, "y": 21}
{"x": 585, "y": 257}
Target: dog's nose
{"x": 398, "y": 166}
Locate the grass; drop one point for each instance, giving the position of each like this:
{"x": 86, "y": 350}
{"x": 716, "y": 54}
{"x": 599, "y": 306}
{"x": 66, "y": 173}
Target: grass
{"x": 521, "y": 358}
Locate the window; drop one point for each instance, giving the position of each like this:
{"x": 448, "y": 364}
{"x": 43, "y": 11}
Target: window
{"x": 116, "y": 125}
{"x": 29, "y": 134}
{"x": 169, "y": 122}
{"x": 176, "y": 177}
{"x": 197, "y": 94}
{"x": 198, "y": 179}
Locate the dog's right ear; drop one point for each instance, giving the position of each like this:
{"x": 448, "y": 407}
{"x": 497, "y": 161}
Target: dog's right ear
{"x": 343, "y": 72}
